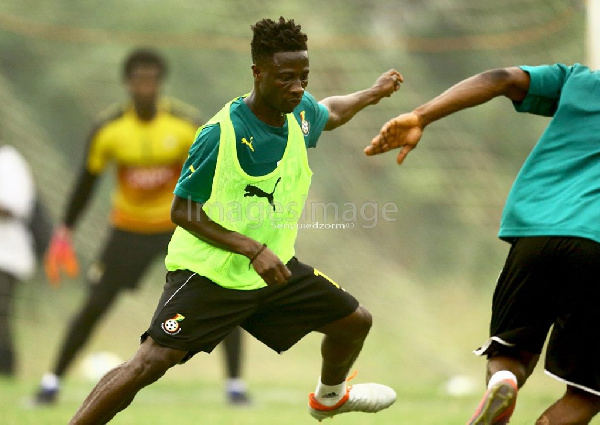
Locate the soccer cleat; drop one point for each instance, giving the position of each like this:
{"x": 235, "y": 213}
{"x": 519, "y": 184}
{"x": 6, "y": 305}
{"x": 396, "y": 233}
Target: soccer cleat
{"x": 45, "y": 397}
{"x": 497, "y": 405}
{"x": 238, "y": 398}
{"x": 368, "y": 398}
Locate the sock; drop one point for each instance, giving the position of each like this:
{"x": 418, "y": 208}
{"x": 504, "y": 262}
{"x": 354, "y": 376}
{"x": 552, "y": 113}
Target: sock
{"x": 329, "y": 395}
{"x": 235, "y": 385}
{"x": 502, "y": 375}
{"x": 50, "y": 381}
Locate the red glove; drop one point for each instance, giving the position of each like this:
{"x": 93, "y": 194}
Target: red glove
{"x": 60, "y": 256}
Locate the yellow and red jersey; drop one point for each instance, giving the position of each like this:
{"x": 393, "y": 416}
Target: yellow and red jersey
{"x": 148, "y": 156}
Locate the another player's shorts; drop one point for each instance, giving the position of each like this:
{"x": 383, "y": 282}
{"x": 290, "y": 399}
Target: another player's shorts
{"x": 194, "y": 314}
{"x": 125, "y": 258}
{"x": 551, "y": 281}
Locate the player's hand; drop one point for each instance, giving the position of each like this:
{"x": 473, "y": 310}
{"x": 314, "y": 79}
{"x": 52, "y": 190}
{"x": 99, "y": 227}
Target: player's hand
{"x": 387, "y": 84}
{"x": 272, "y": 270}
{"x": 60, "y": 257}
{"x": 402, "y": 132}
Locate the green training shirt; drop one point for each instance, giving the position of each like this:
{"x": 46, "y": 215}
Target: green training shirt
{"x": 557, "y": 190}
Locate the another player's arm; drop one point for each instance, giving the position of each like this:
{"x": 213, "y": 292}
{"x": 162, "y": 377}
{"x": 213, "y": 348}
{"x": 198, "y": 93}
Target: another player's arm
{"x": 190, "y": 216}
{"x": 405, "y": 130}
{"x": 343, "y": 108}
{"x": 60, "y": 255}
{"x": 82, "y": 192}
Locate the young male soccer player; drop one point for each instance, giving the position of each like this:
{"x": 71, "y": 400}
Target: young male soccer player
{"x": 552, "y": 221}
{"x": 229, "y": 262}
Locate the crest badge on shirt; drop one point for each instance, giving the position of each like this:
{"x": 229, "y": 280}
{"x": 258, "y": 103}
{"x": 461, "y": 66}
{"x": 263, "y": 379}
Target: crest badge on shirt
{"x": 304, "y": 125}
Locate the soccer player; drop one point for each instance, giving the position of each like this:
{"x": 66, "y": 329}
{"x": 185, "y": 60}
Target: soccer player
{"x": 231, "y": 260}
{"x": 148, "y": 139}
{"x": 552, "y": 221}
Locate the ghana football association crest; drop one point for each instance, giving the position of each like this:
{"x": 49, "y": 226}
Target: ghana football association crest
{"x": 171, "y": 326}
{"x": 304, "y": 125}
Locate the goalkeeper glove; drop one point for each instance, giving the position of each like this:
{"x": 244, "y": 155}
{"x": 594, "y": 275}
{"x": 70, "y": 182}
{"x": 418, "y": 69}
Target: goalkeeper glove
{"x": 60, "y": 256}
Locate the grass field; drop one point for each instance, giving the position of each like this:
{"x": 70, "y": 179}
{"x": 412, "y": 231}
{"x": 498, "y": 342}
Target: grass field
{"x": 421, "y": 337}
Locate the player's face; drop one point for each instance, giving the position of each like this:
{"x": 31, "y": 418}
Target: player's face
{"x": 283, "y": 79}
{"x": 144, "y": 85}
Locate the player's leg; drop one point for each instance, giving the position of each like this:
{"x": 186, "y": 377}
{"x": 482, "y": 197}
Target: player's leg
{"x": 342, "y": 342}
{"x": 124, "y": 260}
{"x": 7, "y": 350}
{"x": 78, "y": 333}
{"x": 521, "y": 364}
{"x": 117, "y": 389}
{"x": 523, "y": 309}
{"x": 506, "y": 373}
{"x": 575, "y": 407}
{"x": 193, "y": 314}
{"x": 574, "y": 345}
{"x": 236, "y": 387}
{"x": 311, "y": 301}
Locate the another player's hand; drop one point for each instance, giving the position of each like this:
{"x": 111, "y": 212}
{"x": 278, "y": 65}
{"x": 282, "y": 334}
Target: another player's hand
{"x": 268, "y": 265}
{"x": 60, "y": 257}
{"x": 402, "y": 132}
{"x": 388, "y": 83}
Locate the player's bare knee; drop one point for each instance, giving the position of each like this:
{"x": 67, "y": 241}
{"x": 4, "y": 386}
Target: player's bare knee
{"x": 153, "y": 360}
{"x": 148, "y": 368}
{"x": 352, "y": 328}
{"x": 362, "y": 322}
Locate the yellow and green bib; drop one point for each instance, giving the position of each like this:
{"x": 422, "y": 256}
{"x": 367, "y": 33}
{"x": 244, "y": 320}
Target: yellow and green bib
{"x": 265, "y": 208}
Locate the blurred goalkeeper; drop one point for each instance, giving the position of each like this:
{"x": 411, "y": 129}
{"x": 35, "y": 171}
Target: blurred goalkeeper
{"x": 551, "y": 278}
{"x": 148, "y": 139}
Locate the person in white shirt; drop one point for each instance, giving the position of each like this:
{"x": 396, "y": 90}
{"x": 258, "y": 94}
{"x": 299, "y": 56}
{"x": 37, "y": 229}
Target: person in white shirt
{"x": 17, "y": 256}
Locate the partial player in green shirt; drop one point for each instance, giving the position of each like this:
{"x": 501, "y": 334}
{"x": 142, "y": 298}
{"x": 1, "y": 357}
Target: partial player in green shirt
{"x": 552, "y": 219}
{"x": 231, "y": 260}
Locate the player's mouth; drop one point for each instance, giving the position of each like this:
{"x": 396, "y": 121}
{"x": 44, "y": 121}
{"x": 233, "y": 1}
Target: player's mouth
{"x": 295, "y": 101}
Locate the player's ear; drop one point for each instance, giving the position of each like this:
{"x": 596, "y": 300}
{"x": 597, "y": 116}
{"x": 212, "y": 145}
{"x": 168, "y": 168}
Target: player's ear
{"x": 256, "y": 71}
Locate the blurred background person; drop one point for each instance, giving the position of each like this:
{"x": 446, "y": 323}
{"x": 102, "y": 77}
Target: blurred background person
{"x": 148, "y": 139}
{"x": 17, "y": 254}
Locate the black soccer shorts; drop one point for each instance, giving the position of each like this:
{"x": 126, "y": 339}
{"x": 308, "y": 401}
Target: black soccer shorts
{"x": 551, "y": 282}
{"x": 194, "y": 314}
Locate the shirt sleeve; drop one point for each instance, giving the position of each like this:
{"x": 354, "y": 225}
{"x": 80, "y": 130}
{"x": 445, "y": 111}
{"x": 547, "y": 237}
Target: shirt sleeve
{"x": 98, "y": 152}
{"x": 198, "y": 171}
{"x": 317, "y": 116}
{"x": 545, "y": 88}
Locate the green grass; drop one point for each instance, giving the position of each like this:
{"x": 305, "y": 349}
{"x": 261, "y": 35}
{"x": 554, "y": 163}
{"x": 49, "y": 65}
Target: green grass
{"x": 421, "y": 337}
{"x": 183, "y": 402}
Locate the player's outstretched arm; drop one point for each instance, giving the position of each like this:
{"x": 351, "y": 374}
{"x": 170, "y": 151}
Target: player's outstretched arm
{"x": 404, "y": 131}
{"x": 343, "y": 108}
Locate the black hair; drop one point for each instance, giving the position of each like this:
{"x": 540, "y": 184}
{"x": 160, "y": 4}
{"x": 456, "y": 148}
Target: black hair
{"x": 144, "y": 57}
{"x": 272, "y": 37}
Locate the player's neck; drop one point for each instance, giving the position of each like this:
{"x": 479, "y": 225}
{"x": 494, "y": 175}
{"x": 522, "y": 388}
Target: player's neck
{"x": 145, "y": 112}
{"x": 263, "y": 112}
